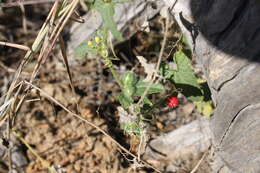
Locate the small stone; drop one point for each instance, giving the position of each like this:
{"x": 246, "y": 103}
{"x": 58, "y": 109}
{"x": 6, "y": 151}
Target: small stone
{"x": 77, "y": 166}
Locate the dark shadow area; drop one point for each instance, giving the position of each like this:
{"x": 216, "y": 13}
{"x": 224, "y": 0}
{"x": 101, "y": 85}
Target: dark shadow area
{"x": 189, "y": 91}
{"x": 108, "y": 113}
{"x": 231, "y": 26}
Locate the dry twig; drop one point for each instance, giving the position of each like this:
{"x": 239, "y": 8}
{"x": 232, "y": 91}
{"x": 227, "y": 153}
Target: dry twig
{"x": 158, "y": 62}
{"x": 28, "y": 2}
{"x": 89, "y": 123}
{"x": 18, "y": 46}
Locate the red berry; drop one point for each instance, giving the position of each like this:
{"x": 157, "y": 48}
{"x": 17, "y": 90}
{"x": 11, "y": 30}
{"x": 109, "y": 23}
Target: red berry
{"x": 172, "y": 102}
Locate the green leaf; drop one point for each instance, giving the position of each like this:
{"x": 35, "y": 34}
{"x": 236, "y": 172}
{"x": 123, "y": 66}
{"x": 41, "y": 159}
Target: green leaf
{"x": 129, "y": 79}
{"x": 192, "y": 93}
{"x": 185, "y": 78}
{"x": 132, "y": 128}
{"x": 205, "y": 108}
{"x": 103, "y": 33}
{"x": 147, "y": 101}
{"x": 83, "y": 49}
{"x": 125, "y": 101}
{"x": 184, "y": 73}
{"x": 142, "y": 85}
{"x": 129, "y": 91}
{"x": 166, "y": 71}
{"x": 184, "y": 41}
{"x": 107, "y": 11}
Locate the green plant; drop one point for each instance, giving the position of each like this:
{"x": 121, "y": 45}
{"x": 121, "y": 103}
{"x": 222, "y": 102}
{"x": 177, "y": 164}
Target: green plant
{"x": 135, "y": 90}
{"x": 183, "y": 78}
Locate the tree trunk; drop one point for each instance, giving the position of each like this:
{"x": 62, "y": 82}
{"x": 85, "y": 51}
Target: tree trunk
{"x": 186, "y": 142}
{"x": 225, "y": 36}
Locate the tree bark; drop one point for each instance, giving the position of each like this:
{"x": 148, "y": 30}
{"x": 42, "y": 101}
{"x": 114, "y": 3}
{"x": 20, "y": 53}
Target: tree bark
{"x": 226, "y": 45}
{"x": 188, "y": 140}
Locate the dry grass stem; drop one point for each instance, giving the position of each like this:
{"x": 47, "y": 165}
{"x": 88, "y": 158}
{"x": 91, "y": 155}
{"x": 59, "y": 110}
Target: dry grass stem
{"x": 28, "y": 2}
{"x": 159, "y": 60}
{"x": 89, "y": 123}
{"x": 18, "y": 46}
{"x": 198, "y": 164}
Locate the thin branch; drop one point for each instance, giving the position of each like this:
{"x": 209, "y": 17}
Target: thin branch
{"x": 18, "y": 46}
{"x": 65, "y": 60}
{"x": 88, "y": 122}
{"x": 29, "y": 2}
{"x": 198, "y": 164}
{"x": 11, "y": 70}
{"x": 45, "y": 163}
{"x": 10, "y": 163}
{"x": 29, "y": 53}
{"x": 25, "y": 30}
{"x": 158, "y": 62}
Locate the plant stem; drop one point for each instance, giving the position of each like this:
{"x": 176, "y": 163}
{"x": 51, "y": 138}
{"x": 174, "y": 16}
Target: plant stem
{"x": 111, "y": 67}
{"x": 45, "y": 163}
{"x": 158, "y": 62}
{"x": 116, "y": 76}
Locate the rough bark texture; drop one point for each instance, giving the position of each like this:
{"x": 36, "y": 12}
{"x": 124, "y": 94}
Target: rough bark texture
{"x": 227, "y": 48}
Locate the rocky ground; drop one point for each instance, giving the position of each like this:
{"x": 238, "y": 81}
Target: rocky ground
{"x": 60, "y": 138}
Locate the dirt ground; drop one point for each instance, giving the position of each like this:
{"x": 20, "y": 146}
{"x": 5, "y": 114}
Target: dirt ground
{"x": 60, "y": 138}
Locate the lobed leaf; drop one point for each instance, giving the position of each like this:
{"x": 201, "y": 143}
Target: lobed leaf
{"x": 184, "y": 73}
{"x": 107, "y": 11}
{"x": 142, "y": 85}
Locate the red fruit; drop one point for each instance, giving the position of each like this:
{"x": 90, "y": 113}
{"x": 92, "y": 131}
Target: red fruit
{"x": 172, "y": 102}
